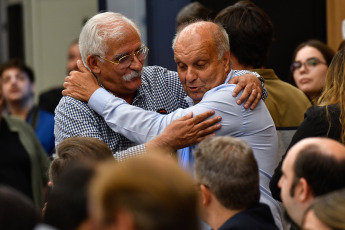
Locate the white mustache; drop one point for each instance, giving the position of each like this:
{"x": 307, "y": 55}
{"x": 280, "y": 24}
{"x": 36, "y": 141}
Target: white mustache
{"x": 131, "y": 75}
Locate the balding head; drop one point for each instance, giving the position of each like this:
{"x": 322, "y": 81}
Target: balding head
{"x": 206, "y": 30}
{"x": 312, "y": 167}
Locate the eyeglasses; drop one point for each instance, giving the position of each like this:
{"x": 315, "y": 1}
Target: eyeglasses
{"x": 126, "y": 60}
{"x": 309, "y": 64}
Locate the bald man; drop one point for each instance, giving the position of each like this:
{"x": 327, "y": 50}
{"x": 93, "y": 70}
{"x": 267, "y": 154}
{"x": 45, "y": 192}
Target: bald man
{"x": 312, "y": 167}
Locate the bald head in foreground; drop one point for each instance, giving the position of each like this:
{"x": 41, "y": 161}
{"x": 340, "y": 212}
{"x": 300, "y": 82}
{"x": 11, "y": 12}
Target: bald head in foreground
{"x": 312, "y": 167}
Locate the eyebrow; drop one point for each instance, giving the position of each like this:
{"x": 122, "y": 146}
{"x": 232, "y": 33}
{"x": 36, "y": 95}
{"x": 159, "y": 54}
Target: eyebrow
{"x": 118, "y": 56}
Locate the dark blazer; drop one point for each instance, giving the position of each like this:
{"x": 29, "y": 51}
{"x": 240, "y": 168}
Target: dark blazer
{"x": 315, "y": 124}
{"x": 258, "y": 217}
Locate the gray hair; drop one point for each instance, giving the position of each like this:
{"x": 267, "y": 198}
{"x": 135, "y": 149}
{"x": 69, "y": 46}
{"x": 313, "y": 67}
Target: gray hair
{"x": 226, "y": 165}
{"x": 220, "y": 36}
{"x": 99, "y": 29}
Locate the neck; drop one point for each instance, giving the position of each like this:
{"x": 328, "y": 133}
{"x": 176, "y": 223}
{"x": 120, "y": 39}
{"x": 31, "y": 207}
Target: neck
{"x": 313, "y": 98}
{"x": 20, "y": 108}
{"x": 218, "y": 215}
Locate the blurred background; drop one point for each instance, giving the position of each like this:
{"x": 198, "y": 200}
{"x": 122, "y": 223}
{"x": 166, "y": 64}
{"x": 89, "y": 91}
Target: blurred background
{"x": 40, "y": 31}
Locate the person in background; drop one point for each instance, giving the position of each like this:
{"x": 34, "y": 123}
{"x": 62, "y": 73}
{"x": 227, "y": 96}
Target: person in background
{"x": 148, "y": 193}
{"x": 326, "y": 212}
{"x": 227, "y": 178}
{"x": 78, "y": 149}
{"x": 49, "y": 99}
{"x": 18, "y": 93}
{"x": 327, "y": 119}
{"x": 194, "y": 11}
{"x": 309, "y": 66}
{"x": 24, "y": 164}
{"x": 17, "y": 211}
{"x": 67, "y": 202}
{"x": 313, "y": 167}
{"x": 250, "y": 32}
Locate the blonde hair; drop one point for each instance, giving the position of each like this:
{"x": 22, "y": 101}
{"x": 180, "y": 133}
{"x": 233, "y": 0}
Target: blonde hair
{"x": 330, "y": 209}
{"x": 333, "y": 92}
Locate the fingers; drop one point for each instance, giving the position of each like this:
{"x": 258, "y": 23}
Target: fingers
{"x": 186, "y": 117}
{"x": 81, "y": 67}
{"x": 199, "y": 118}
{"x": 246, "y": 92}
{"x": 256, "y": 101}
{"x": 236, "y": 91}
{"x": 251, "y": 99}
{"x": 234, "y": 80}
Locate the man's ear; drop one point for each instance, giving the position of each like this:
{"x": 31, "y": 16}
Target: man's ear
{"x": 205, "y": 195}
{"x": 303, "y": 190}
{"x": 226, "y": 61}
{"x": 93, "y": 64}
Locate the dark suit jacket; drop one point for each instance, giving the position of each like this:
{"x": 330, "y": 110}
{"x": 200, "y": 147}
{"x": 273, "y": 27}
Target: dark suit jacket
{"x": 258, "y": 217}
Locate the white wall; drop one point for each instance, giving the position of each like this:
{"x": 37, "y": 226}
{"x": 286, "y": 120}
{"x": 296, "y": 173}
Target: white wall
{"x": 49, "y": 28}
{"x": 134, "y": 10}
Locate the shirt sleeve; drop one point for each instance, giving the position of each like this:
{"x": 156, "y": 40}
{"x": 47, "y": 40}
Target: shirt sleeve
{"x": 140, "y": 125}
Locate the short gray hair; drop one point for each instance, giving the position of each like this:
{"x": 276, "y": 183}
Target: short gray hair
{"x": 226, "y": 165}
{"x": 220, "y": 36}
{"x": 99, "y": 29}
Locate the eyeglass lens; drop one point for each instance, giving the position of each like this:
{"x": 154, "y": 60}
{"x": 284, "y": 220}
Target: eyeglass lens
{"x": 311, "y": 62}
{"x": 140, "y": 54}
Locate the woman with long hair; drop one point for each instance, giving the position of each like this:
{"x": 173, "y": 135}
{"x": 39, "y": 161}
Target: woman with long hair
{"x": 326, "y": 119}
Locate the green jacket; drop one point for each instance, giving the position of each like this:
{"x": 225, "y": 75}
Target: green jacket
{"x": 39, "y": 160}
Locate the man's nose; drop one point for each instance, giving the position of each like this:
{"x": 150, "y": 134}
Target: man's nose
{"x": 191, "y": 75}
{"x": 136, "y": 64}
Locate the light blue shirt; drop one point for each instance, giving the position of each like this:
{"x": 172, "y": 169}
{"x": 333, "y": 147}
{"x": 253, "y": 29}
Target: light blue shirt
{"x": 254, "y": 126}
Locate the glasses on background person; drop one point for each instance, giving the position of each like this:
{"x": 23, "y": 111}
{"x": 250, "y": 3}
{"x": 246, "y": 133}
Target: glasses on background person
{"x": 308, "y": 64}
{"x": 126, "y": 60}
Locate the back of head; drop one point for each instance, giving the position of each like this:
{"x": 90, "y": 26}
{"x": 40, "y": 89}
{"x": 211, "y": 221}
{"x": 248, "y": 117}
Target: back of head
{"x": 153, "y": 189}
{"x": 322, "y": 165}
{"x": 67, "y": 203}
{"x": 227, "y": 166}
{"x": 18, "y": 64}
{"x": 194, "y": 11}
{"x": 250, "y": 32}
{"x": 101, "y": 28}
{"x": 16, "y": 210}
{"x": 330, "y": 209}
{"x": 78, "y": 149}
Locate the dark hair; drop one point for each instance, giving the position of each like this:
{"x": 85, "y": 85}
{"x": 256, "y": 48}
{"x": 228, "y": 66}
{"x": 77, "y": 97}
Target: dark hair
{"x": 67, "y": 203}
{"x": 16, "y": 210}
{"x": 18, "y": 64}
{"x": 326, "y": 52}
{"x": 250, "y": 32}
{"x": 322, "y": 172}
{"x": 194, "y": 11}
{"x": 226, "y": 165}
